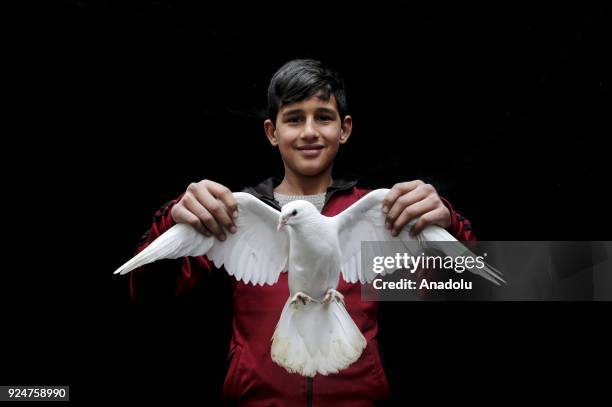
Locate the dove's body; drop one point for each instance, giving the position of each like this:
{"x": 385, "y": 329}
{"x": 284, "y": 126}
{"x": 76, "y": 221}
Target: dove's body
{"x": 315, "y": 333}
{"x": 315, "y": 267}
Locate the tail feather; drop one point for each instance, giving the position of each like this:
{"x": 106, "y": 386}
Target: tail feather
{"x": 316, "y": 338}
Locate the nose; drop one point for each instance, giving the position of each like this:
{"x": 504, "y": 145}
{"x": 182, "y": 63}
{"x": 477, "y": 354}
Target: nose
{"x": 310, "y": 131}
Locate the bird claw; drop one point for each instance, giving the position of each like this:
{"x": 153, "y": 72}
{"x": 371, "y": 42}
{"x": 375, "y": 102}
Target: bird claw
{"x": 333, "y": 295}
{"x": 304, "y": 298}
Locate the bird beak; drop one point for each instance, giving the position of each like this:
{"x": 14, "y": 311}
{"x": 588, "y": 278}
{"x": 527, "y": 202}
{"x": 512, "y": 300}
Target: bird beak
{"x": 281, "y": 223}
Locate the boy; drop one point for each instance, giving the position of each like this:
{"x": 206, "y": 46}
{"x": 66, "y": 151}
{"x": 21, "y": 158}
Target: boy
{"x": 308, "y": 122}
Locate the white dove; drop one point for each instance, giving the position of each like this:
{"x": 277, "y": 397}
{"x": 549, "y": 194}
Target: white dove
{"x": 315, "y": 333}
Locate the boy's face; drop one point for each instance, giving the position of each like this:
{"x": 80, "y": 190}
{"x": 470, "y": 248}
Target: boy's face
{"x": 308, "y": 134}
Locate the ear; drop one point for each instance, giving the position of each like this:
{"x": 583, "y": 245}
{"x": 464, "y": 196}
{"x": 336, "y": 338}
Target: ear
{"x": 270, "y": 130}
{"x": 347, "y": 127}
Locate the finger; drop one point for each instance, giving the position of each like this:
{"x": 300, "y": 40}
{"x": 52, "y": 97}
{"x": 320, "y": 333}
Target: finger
{"x": 397, "y": 191}
{"x": 185, "y": 216}
{"x": 226, "y": 196}
{"x": 207, "y": 219}
{"x": 194, "y": 208}
{"x": 427, "y": 219}
{"x": 404, "y": 201}
{"x": 216, "y": 208}
{"x": 411, "y": 212}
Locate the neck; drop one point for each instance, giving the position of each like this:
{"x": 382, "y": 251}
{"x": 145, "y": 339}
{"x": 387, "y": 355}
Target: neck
{"x": 298, "y": 184}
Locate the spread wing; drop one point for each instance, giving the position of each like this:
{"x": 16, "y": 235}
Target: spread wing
{"x": 439, "y": 238}
{"x": 365, "y": 221}
{"x": 256, "y": 253}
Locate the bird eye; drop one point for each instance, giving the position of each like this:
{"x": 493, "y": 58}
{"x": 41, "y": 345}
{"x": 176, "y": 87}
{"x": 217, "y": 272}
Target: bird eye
{"x": 294, "y": 212}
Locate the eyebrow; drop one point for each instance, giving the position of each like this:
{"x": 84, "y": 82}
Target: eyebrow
{"x": 319, "y": 110}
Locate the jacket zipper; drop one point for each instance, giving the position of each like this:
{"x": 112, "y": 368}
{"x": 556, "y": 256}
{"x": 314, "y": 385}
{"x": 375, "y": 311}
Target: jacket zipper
{"x": 309, "y": 383}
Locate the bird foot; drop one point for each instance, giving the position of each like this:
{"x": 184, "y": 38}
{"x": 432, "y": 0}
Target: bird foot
{"x": 333, "y": 295}
{"x": 303, "y": 298}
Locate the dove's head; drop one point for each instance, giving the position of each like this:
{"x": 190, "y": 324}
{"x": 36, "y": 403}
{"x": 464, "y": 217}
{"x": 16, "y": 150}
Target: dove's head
{"x": 295, "y": 212}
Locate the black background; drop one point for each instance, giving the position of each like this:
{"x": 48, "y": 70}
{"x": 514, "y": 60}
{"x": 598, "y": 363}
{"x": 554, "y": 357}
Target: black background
{"x": 122, "y": 104}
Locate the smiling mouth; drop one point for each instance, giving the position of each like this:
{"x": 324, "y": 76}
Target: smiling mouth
{"x": 310, "y": 151}
{"x": 311, "y": 147}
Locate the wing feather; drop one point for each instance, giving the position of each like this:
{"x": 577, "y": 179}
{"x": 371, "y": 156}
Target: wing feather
{"x": 364, "y": 221}
{"x": 255, "y": 254}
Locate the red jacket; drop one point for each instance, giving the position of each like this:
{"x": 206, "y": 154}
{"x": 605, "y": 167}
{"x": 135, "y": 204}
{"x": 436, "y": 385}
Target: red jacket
{"x": 253, "y": 379}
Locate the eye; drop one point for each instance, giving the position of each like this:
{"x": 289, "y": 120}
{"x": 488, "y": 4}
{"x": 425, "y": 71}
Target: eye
{"x": 294, "y": 212}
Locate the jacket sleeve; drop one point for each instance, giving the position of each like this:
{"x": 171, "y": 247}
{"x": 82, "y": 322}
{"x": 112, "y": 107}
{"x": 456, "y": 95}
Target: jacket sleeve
{"x": 165, "y": 278}
{"x": 460, "y": 227}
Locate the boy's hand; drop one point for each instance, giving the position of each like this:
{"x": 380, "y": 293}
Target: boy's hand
{"x": 410, "y": 200}
{"x": 209, "y": 207}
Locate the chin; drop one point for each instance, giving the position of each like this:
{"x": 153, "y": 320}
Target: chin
{"x": 312, "y": 169}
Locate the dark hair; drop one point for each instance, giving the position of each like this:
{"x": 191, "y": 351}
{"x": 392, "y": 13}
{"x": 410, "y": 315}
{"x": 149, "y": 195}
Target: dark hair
{"x": 301, "y": 79}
